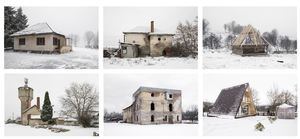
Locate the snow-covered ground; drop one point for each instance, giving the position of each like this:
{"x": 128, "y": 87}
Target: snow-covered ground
{"x": 225, "y": 59}
{"x": 213, "y": 126}
{"x": 123, "y": 129}
{"x": 151, "y": 63}
{"x": 20, "y": 130}
{"x": 79, "y": 58}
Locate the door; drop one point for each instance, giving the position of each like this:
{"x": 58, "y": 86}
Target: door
{"x": 170, "y": 120}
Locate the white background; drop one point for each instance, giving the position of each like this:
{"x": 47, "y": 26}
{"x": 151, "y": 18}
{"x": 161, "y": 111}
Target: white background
{"x": 151, "y": 3}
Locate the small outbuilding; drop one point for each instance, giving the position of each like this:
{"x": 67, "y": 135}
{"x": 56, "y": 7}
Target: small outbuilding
{"x": 249, "y": 42}
{"x": 285, "y": 111}
{"x": 129, "y": 50}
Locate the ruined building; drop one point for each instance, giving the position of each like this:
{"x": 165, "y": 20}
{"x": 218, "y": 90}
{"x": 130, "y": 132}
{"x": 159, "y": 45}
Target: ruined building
{"x": 154, "y": 106}
{"x": 145, "y": 41}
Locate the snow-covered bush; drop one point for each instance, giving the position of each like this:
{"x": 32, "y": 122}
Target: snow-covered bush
{"x": 259, "y": 126}
{"x": 272, "y": 119}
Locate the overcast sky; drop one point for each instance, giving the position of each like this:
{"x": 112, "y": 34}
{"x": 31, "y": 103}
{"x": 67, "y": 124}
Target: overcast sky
{"x": 119, "y": 19}
{"x": 214, "y": 83}
{"x": 119, "y": 88}
{"x": 55, "y": 84}
{"x": 262, "y": 18}
{"x": 66, "y": 20}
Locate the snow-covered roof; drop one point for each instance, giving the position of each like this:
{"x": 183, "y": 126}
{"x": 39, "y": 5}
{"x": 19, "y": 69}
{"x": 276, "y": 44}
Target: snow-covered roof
{"x": 285, "y": 106}
{"x": 39, "y": 28}
{"x": 146, "y": 30}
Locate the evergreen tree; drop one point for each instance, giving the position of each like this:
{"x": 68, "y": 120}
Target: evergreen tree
{"x": 47, "y": 111}
{"x": 14, "y": 20}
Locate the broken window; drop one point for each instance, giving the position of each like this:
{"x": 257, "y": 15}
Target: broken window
{"x": 152, "y": 106}
{"x": 22, "y": 41}
{"x": 152, "y": 118}
{"x": 137, "y": 118}
{"x": 152, "y": 94}
{"x": 166, "y": 118}
{"x": 133, "y": 41}
{"x": 177, "y": 117}
{"x": 165, "y": 39}
{"x": 159, "y": 39}
{"x": 170, "y": 107}
{"x": 170, "y": 96}
{"x": 40, "y": 41}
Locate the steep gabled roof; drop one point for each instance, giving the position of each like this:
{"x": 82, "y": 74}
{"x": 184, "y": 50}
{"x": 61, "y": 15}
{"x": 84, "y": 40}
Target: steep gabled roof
{"x": 40, "y": 28}
{"x": 229, "y": 100}
{"x": 249, "y": 36}
{"x": 32, "y": 107}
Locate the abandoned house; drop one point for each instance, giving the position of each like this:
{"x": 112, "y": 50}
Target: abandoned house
{"x": 250, "y": 42}
{"x": 234, "y": 101}
{"x": 154, "y": 106}
{"x": 40, "y": 38}
{"x": 144, "y": 41}
{"x": 285, "y": 111}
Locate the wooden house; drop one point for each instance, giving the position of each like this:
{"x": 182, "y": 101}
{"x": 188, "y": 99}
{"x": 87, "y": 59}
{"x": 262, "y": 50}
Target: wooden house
{"x": 236, "y": 101}
{"x": 249, "y": 42}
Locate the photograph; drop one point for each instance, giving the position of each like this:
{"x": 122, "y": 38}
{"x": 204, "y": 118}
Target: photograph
{"x": 250, "y": 105}
{"x": 51, "y": 37}
{"x": 68, "y": 105}
{"x": 249, "y": 37}
{"x": 150, "y": 37}
{"x": 165, "y": 104}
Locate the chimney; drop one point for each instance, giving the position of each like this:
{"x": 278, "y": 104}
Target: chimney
{"x": 152, "y": 26}
{"x": 38, "y": 102}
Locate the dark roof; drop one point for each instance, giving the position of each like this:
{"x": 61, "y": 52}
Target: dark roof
{"x": 229, "y": 100}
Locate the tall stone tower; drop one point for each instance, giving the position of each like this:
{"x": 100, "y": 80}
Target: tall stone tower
{"x": 25, "y": 95}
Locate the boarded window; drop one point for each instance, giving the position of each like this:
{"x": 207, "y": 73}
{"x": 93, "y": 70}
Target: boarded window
{"x": 170, "y": 107}
{"x": 152, "y": 118}
{"x": 22, "y": 41}
{"x": 152, "y": 107}
{"x": 40, "y": 41}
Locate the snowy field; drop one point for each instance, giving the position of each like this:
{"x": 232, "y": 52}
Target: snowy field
{"x": 225, "y": 59}
{"x": 122, "y": 129}
{"x": 151, "y": 63}
{"x": 20, "y": 130}
{"x": 79, "y": 58}
{"x": 245, "y": 126}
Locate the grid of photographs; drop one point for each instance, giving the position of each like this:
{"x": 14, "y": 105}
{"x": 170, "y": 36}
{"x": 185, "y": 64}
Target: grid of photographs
{"x": 194, "y": 69}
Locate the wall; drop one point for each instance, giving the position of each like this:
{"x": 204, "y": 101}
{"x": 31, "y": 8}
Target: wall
{"x": 158, "y": 46}
{"x": 141, "y": 39}
{"x": 30, "y": 43}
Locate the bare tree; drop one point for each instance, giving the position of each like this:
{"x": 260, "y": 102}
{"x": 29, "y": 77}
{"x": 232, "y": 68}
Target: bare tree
{"x": 255, "y": 96}
{"x": 74, "y": 39}
{"x": 89, "y": 37}
{"x": 80, "y": 99}
{"x": 191, "y": 113}
{"x": 205, "y": 28}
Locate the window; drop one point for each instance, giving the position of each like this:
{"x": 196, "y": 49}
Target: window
{"x": 152, "y": 118}
{"x": 159, "y": 39}
{"x": 55, "y": 41}
{"x": 133, "y": 41}
{"x": 170, "y": 96}
{"x": 40, "y": 41}
{"x": 152, "y": 106}
{"x": 170, "y": 107}
{"x": 124, "y": 49}
{"x": 166, "y": 118}
{"x": 165, "y": 39}
{"x": 177, "y": 117}
{"x": 152, "y": 94}
{"x": 22, "y": 41}
{"x": 137, "y": 118}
